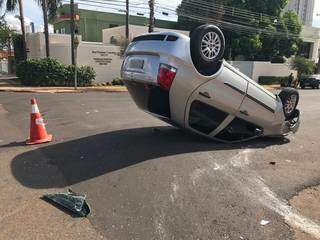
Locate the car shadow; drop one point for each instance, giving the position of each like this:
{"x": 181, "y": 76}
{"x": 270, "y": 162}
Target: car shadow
{"x": 85, "y": 158}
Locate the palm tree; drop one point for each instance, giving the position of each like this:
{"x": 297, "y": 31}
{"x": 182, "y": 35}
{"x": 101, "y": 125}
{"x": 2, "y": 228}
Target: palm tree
{"x": 11, "y": 6}
{"x": 49, "y": 10}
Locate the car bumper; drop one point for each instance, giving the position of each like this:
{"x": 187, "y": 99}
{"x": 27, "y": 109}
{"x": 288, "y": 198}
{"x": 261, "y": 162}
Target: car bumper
{"x": 293, "y": 124}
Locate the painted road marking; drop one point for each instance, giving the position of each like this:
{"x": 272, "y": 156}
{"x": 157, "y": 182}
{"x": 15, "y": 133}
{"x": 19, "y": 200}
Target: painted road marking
{"x": 253, "y": 186}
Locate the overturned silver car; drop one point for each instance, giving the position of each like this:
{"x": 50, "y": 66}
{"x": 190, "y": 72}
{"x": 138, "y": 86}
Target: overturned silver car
{"x": 185, "y": 82}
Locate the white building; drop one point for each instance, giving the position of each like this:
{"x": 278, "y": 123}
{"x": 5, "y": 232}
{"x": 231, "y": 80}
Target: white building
{"x": 307, "y": 12}
{"x": 310, "y": 48}
{"x": 304, "y": 8}
{"x": 104, "y": 58}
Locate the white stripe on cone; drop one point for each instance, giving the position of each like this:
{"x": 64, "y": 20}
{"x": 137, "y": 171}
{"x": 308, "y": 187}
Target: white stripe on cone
{"x": 34, "y": 108}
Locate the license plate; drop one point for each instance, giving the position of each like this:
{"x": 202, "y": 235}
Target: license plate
{"x": 136, "y": 64}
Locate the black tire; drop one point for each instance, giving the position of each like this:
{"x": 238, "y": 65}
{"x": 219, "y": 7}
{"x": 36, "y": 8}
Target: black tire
{"x": 302, "y": 86}
{"x": 290, "y": 100}
{"x": 207, "y": 45}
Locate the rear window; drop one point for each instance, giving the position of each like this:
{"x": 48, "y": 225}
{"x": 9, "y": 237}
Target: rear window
{"x": 155, "y": 37}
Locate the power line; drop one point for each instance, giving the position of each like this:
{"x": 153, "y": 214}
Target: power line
{"x": 216, "y": 8}
{"x": 104, "y": 3}
{"x": 231, "y": 22}
{"x": 237, "y": 27}
{"x": 238, "y": 11}
{"x": 213, "y": 7}
{"x": 231, "y": 11}
{"x": 106, "y": 7}
{"x": 252, "y": 25}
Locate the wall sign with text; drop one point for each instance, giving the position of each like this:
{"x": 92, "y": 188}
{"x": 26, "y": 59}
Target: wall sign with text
{"x": 104, "y": 57}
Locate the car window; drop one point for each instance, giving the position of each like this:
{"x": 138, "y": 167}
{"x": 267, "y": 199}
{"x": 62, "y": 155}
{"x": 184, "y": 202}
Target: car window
{"x": 239, "y": 129}
{"x": 205, "y": 118}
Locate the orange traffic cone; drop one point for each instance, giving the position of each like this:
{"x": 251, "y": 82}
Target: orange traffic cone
{"x": 38, "y": 132}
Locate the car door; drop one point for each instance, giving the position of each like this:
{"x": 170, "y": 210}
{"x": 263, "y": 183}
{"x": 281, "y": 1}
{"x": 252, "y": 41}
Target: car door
{"x": 215, "y": 103}
{"x": 259, "y": 106}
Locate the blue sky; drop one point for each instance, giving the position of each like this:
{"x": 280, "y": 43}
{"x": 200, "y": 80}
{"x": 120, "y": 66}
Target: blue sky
{"x": 316, "y": 19}
{"x": 33, "y": 11}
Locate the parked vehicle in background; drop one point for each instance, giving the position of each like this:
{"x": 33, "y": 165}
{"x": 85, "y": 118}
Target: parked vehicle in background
{"x": 186, "y": 82}
{"x": 312, "y": 81}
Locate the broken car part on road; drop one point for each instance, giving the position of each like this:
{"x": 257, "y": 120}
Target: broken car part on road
{"x": 74, "y": 203}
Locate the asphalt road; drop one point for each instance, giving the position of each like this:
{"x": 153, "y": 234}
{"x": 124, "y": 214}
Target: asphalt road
{"x": 143, "y": 183}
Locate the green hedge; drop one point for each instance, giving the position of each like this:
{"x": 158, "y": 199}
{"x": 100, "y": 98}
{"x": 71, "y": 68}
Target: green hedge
{"x": 268, "y": 80}
{"x": 50, "y": 72}
{"x": 117, "y": 81}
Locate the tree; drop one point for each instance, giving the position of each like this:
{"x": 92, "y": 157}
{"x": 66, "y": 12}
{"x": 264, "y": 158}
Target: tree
{"x": 254, "y": 29}
{"x": 11, "y": 6}
{"x": 303, "y": 66}
{"x": 5, "y": 37}
{"x": 49, "y": 10}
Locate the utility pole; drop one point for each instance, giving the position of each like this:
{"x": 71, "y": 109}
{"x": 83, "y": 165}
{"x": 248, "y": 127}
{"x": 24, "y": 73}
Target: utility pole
{"x": 76, "y": 44}
{"x": 46, "y": 29}
{"x": 127, "y": 21}
{"x": 151, "y": 17}
{"x": 72, "y": 31}
{"x": 318, "y": 67}
{"x": 298, "y": 8}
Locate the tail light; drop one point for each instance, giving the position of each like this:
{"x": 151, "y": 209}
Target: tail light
{"x": 166, "y": 75}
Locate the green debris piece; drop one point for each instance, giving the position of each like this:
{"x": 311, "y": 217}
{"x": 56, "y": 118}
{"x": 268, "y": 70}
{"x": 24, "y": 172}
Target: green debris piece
{"x": 72, "y": 202}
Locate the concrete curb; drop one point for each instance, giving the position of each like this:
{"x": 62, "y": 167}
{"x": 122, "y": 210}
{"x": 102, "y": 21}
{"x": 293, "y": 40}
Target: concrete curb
{"x": 61, "y": 90}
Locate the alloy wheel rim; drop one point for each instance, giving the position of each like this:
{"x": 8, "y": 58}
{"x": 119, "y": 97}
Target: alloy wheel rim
{"x": 290, "y": 104}
{"x": 210, "y": 45}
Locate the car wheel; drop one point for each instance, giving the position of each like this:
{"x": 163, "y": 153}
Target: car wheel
{"x": 207, "y": 45}
{"x": 302, "y": 86}
{"x": 290, "y": 99}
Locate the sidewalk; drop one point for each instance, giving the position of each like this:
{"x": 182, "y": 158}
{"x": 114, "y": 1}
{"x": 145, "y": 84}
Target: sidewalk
{"x": 112, "y": 89}
{"x": 10, "y": 84}
{"x": 8, "y": 81}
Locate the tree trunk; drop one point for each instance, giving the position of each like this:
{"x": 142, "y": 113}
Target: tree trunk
{"x": 23, "y": 29}
{"x": 46, "y": 26}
